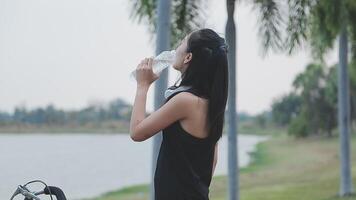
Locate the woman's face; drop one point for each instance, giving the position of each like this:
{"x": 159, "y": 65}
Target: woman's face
{"x": 182, "y": 57}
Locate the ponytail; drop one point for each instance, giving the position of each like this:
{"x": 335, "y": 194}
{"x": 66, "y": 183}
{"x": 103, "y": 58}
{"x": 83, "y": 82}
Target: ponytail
{"x": 207, "y": 74}
{"x": 218, "y": 95}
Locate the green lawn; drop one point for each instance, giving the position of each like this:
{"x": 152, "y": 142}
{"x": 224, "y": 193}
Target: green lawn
{"x": 284, "y": 168}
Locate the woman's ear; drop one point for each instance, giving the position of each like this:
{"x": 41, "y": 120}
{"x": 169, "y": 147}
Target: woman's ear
{"x": 188, "y": 58}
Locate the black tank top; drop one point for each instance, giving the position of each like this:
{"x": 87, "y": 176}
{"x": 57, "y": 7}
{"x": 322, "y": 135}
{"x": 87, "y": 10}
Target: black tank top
{"x": 184, "y": 164}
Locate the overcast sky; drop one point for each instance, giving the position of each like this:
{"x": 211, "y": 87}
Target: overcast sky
{"x": 74, "y": 52}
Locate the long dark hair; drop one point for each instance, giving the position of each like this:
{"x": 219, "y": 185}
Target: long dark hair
{"x": 207, "y": 74}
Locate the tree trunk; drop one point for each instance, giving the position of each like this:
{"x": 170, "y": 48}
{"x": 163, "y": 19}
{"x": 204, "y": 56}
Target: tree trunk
{"x": 233, "y": 170}
{"x": 162, "y": 44}
{"x": 344, "y": 116}
{"x": 353, "y": 116}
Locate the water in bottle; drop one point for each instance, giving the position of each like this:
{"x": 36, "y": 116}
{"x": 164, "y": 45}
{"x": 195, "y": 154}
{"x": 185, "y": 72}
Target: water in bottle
{"x": 160, "y": 62}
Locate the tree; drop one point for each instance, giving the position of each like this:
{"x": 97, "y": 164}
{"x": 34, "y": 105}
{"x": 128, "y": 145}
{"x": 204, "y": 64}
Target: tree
{"x": 285, "y": 109}
{"x": 317, "y": 23}
{"x": 317, "y": 89}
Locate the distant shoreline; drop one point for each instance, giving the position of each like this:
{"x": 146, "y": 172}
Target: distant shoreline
{"x": 118, "y": 127}
{"x": 114, "y": 127}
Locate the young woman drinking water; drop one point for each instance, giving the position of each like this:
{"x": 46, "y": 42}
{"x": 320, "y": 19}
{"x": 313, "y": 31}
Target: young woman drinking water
{"x": 191, "y": 119}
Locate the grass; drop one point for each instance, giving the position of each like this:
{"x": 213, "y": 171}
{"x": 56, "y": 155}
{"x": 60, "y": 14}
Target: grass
{"x": 283, "y": 168}
{"x": 250, "y": 127}
{"x": 138, "y": 192}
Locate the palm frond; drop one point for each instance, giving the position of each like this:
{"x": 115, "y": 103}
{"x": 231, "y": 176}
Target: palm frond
{"x": 322, "y": 33}
{"x": 186, "y": 16}
{"x": 352, "y": 26}
{"x": 353, "y": 42}
{"x": 297, "y": 24}
{"x": 270, "y": 24}
{"x": 144, "y": 11}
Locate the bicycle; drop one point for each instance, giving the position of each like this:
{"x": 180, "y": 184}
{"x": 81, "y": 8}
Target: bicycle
{"x": 31, "y": 195}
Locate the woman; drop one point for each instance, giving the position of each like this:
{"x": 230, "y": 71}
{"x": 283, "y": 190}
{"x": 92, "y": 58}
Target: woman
{"x": 191, "y": 119}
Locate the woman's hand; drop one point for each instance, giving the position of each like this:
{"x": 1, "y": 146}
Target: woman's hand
{"x": 144, "y": 73}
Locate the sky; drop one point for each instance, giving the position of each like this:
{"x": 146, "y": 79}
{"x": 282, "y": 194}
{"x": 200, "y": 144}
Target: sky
{"x": 73, "y": 53}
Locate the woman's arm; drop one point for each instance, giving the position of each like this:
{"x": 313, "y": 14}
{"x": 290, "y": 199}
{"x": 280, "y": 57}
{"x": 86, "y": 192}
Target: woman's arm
{"x": 139, "y": 107}
{"x": 215, "y": 157}
{"x": 177, "y": 108}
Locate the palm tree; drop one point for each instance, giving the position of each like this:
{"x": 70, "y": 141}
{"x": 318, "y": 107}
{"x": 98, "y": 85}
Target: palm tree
{"x": 316, "y": 23}
{"x": 163, "y": 43}
{"x": 233, "y": 172}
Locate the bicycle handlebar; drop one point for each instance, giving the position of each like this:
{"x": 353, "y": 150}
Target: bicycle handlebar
{"x": 56, "y": 192}
{"x": 25, "y": 192}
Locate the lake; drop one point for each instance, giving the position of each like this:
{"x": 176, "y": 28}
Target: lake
{"x": 87, "y": 165}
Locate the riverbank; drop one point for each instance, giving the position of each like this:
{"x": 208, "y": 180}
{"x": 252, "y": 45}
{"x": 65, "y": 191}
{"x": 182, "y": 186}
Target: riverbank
{"x": 114, "y": 127}
{"x": 91, "y": 127}
{"x": 282, "y": 168}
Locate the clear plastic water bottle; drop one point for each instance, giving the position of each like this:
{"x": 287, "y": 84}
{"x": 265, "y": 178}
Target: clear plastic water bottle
{"x": 160, "y": 62}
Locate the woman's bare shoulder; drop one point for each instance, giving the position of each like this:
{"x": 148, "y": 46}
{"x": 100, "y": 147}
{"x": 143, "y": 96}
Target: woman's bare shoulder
{"x": 191, "y": 96}
{"x": 193, "y": 101}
